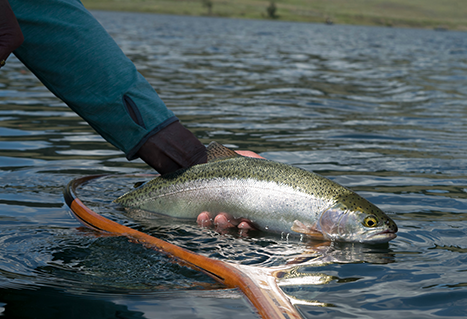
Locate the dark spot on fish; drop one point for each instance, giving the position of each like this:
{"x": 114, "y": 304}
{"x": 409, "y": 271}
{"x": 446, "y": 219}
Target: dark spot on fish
{"x": 138, "y": 184}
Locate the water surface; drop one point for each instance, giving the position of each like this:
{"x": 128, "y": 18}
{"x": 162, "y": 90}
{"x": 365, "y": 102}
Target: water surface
{"x": 382, "y": 111}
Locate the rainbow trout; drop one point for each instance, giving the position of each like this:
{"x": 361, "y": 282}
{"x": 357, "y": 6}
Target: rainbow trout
{"x": 276, "y": 197}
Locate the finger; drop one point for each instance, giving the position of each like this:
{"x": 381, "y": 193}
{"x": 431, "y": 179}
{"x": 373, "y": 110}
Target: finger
{"x": 224, "y": 221}
{"x": 246, "y": 225}
{"x": 204, "y": 219}
{"x": 249, "y": 154}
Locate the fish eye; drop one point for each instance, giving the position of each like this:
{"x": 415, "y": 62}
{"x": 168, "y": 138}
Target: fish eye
{"x": 370, "y": 221}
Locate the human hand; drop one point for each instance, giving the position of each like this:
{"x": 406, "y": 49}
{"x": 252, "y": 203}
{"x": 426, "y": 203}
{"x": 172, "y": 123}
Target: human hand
{"x": 224, "y": 221}
{"x": 175, "y": 147}
{"x": 11, "y": 36}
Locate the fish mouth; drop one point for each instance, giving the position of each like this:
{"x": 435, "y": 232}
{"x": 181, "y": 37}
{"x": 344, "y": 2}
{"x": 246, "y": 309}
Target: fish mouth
{"x": 382, "y": 237}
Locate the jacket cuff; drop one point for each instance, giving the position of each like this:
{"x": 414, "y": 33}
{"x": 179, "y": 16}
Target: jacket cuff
{"x": 131, "y": 155}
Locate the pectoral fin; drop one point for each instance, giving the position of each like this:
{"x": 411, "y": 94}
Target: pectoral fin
{"x": 309, "y": 230}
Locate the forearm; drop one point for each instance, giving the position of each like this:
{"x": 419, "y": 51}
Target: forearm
{"x": 71, "y": 53}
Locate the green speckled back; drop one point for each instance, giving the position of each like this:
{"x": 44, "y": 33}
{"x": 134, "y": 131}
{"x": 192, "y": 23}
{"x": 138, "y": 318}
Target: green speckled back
{"x": 239, "y": 168}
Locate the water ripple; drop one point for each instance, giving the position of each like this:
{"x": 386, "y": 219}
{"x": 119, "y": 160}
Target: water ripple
{"x": 379, "y": 110}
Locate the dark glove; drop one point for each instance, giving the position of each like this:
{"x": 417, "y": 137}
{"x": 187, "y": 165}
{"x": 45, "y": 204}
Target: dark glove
{"x": 172, "y": 148}
{"x": 11, "y": 36}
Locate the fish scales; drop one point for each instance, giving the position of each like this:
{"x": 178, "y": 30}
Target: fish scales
{"x": 225, "y": 186}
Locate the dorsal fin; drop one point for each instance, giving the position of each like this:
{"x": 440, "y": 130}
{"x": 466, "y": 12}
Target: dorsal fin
{"x": 217, "y": 151}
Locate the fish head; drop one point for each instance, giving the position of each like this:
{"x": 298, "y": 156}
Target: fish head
{"x": 354, "y": 219}
{"x": 351, "y": 219}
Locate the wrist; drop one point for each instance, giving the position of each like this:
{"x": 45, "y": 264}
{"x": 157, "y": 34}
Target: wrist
{"x": 172, "y": 148}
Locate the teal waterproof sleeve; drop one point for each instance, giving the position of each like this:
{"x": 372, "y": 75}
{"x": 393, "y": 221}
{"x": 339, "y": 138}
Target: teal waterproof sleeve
{"x": 76, "y": 59}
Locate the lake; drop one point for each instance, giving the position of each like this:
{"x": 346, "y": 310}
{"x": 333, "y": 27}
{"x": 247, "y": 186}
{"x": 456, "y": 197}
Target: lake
{"x": 382, "y": 111}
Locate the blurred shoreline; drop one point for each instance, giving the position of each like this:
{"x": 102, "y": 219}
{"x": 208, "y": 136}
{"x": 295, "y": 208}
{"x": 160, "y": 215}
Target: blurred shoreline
{"x": 426, "y": 14}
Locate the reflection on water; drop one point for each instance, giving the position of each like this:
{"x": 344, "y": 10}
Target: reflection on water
{"x": 380, "y": 110}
